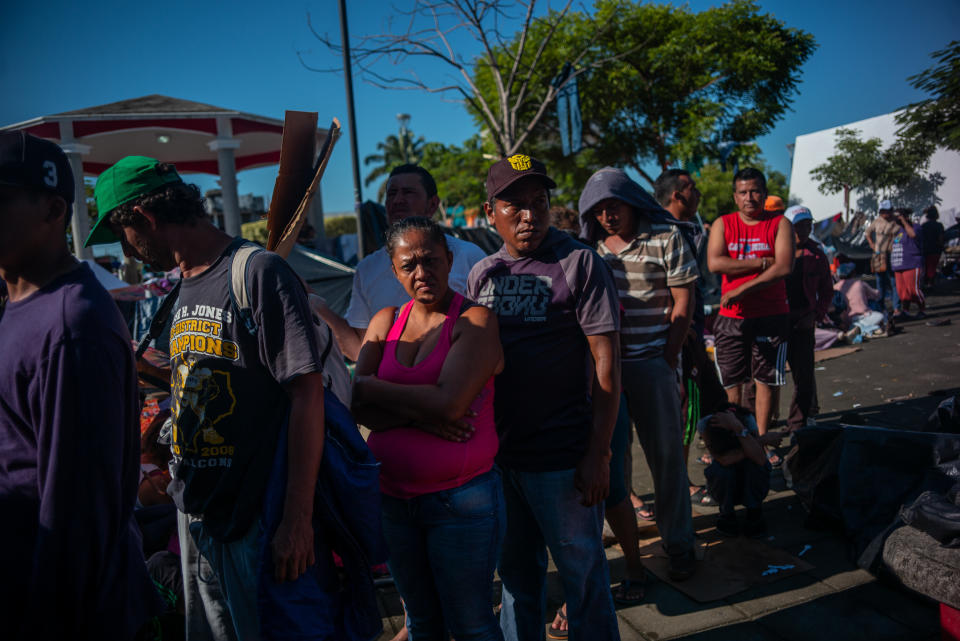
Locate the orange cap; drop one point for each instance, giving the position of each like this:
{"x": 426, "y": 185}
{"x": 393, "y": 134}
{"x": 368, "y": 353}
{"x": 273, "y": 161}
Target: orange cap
{"x": 774, "y": 203}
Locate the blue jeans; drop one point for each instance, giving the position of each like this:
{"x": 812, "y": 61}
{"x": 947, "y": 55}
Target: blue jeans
{"x": 885, "y": 284}
{"x": 443, "y": 552}
{"x": 544, "y": 511}
{"x": 220, "y": 585}
{"x": 744, "y": 483}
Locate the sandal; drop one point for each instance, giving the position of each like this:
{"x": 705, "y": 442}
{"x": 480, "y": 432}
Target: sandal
{"x": 774, "y": 459}
{"x": 702, "y": 497}
{"x": 557, "y": 633}
{"x": 629, "y": 592}
{"x": 645, "y": 512}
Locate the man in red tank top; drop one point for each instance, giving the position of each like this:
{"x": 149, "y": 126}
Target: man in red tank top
{"x": 753, "y": 252}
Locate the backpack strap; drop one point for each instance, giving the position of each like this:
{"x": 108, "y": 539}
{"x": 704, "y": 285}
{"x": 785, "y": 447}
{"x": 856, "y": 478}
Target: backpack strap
{"x": 159, "y": 320}
{"x": 240, "y": 296}
{"x": 239, "y": 292}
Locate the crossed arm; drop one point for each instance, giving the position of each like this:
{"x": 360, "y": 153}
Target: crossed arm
{"x": 783, "y": 254}
{"x": 475, "y": 355}
{"x": 753, "y": 447}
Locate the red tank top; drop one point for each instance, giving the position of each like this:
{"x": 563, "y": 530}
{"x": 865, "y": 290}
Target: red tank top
{"x": 414, "y": 462}
{"x": 752, "y": 241}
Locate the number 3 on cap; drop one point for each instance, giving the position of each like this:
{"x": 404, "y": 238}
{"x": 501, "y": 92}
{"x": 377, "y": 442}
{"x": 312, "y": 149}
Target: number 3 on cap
{"x": 50, "y": 179}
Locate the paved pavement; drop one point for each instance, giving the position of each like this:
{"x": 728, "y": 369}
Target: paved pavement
{"x": 891, "y": 382}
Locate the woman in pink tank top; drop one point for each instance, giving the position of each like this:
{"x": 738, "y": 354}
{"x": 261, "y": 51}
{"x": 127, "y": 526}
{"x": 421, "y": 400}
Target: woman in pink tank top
{"x": 424, "y": 387}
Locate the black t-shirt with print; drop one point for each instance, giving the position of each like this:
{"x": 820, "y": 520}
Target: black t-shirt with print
{"x": 228, "y": 396}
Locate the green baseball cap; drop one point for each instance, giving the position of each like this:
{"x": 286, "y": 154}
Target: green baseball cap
{"x": 128, "y": 179}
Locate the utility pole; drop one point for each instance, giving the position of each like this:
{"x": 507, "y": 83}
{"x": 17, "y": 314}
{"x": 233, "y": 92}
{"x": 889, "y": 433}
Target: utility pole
{"x": 352, "y": 124}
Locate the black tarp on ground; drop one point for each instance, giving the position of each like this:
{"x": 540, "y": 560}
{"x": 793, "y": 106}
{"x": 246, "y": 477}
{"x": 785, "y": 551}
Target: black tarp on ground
{"x": 329, "y": 278}
{"x": 859, "y": 477}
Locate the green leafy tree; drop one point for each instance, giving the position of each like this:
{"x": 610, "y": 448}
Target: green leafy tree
{"x": 517, "y": 95}
{"x": 937, "y": 119}
{"x": 396, "y": 150}
{"x": 865, "y": 167}
{"x": 339, "y": 225}
{"x": 669, "y": 84}
{"x": 255, "y": 231}
{"x": 459, "y": 170}
{"x": 716, "y": 187}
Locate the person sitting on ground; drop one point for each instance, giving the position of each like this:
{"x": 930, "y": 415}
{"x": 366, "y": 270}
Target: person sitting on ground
{"x": 424, "y": 386}
{"x": 740, "y": 472}
{"x": 858, "y": 315}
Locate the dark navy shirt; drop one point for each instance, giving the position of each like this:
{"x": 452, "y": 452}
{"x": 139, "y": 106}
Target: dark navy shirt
{"x": 546, "y": 303}
{"x": 69, "y": 467}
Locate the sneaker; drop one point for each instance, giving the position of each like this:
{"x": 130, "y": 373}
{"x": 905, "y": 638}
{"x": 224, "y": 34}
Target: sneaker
{"x": 682, "y": 566}
{"x": 756, "y": 525}
{"x": 727, "y": 525}
{"x": 853, "y": 333}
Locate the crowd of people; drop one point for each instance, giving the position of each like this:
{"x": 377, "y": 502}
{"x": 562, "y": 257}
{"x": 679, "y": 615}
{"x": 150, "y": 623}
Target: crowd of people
{"x": 501, "y": 393}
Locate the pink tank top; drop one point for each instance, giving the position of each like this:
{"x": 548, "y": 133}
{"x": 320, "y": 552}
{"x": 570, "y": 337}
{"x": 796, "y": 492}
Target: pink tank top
{"x": 414, "y": 462}
{"x": 752, "y": 241}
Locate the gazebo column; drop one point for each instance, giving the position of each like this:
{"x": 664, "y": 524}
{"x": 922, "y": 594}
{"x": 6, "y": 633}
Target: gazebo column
{"x": 79, "y": 223}
{"x": 224, "y": 144}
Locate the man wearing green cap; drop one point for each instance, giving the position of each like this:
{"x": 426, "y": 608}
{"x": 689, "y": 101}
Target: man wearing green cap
{"x": 236, "y": 392}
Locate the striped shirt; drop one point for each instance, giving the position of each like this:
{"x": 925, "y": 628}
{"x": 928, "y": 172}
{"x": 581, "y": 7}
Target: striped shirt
{"x": 644, "y": 271}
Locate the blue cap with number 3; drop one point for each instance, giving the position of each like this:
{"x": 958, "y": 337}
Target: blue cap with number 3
{"x": 35, "y": 163}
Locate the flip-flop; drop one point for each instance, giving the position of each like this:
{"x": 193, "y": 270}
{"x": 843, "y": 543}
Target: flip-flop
{"x": 645, "y": 513}
{"x": 629, "y": 592}
{"x": 556, "y": 633}
{"x": 704, "y": 459}
{"x": 702, "y": 497}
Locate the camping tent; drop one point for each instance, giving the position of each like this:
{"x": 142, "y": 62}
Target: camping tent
{"x": 108, "y": 280}
{"x": 328, "y": 278}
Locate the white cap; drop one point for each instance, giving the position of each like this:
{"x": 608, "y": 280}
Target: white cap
{"x": 798, "y": 213}
{"x": 885, "y": 204}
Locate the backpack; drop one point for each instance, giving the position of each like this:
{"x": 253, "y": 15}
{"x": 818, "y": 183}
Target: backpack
{"x": 346, "y": 499}
{"x": 349, "y": 472}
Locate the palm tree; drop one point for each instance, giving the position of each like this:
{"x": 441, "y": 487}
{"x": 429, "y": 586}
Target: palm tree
{"x": 396, "y": 150}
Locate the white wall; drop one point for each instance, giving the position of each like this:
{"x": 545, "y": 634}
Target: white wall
{"x": 814, "y": 148}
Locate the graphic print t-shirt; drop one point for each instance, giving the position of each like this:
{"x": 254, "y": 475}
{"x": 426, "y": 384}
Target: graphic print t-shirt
{"x": 546, "y": 304}
{"x": 906, "y": 252}
{"x": 228, "y": 400}
{"x": 744, "y": 242}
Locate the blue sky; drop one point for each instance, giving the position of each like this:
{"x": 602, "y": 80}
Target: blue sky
{"x": 60, "y": 55}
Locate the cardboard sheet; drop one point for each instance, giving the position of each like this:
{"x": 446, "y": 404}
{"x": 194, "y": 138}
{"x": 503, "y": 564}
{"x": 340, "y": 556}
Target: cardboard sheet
{"x": 729, "y": 565}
